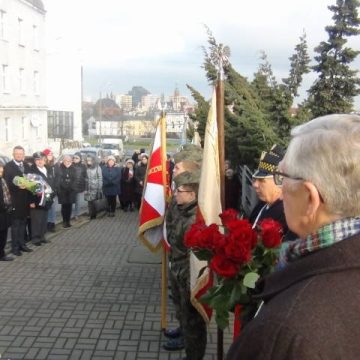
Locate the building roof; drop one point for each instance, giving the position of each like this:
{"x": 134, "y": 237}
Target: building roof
{"x": 37, "y": 3}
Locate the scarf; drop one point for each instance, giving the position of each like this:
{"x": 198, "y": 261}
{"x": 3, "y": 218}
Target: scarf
{"x": 324, "y": 237}
{"x": 6, "y": 193}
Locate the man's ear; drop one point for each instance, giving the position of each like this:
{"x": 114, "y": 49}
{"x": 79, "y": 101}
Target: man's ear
{"x": 313, "y": 198}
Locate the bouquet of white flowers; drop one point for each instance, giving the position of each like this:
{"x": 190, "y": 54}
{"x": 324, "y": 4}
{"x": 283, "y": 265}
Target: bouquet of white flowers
{"x": 36, "y": 185}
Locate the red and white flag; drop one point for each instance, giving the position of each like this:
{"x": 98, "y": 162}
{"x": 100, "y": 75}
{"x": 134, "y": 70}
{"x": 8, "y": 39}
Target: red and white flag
{"x": 209, "y": 208}
{"x": 153, "y": 203}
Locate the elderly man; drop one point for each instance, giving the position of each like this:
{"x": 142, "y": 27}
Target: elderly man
{"x": 311, "y": 304}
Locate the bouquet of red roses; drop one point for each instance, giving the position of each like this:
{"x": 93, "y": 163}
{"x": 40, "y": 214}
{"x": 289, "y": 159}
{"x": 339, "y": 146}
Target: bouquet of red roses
{"x": 239, "y": 256}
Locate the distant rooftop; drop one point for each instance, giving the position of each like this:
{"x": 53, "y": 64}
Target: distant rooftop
{"x": 37, "y": 3}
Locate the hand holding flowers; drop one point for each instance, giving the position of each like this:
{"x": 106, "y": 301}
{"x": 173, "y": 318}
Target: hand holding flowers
{"x": 238, "y": 256}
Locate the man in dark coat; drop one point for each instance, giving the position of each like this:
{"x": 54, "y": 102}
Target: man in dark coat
{"x": 20, "y": 200}
{"x": 311, "y": 303}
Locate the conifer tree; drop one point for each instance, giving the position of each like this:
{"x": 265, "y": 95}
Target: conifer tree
{"x": 337, "y": 84}
{"x": 299, "y": 65}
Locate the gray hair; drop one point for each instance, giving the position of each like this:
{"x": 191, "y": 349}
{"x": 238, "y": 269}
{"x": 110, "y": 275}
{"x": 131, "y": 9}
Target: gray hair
{"x": 326, "y": 151}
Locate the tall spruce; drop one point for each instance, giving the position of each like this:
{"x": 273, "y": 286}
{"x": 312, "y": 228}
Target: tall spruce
{"x": 337, "y": 84}
{"x": 246, "y": 131}
{"x": 274, "y": 101}
{"x": 299, "y": 65}
{"x": 199, "y": 116}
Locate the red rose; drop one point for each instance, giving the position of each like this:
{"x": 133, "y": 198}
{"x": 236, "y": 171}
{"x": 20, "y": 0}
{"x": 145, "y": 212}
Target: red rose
{"x": 242, "y": 230}
{"x": 191, "y": 239}
{"x": 219, "y": 241}
{"x": 237, "y": 249}
{"x": 271, "y": 233}
{"x": 224, "y": 266}
{"x": 207, "y": 237}
{"x": 227, "y": 215}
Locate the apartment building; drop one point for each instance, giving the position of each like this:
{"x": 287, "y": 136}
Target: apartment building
{"x": 23, "y": 113}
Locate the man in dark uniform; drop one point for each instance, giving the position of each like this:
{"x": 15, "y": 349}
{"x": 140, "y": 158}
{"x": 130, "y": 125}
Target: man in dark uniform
{"x": 20, "y": 200}
{"x": 270, "y": 195}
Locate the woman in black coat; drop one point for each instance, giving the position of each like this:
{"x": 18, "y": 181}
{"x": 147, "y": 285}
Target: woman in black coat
{"x": 128, "y": 186}
{"x": 5, "y": 208}
{"x": 39, "y": 210}
{"x": 64, "y": 185}
{"x": 140, "y": 173}
{"x": 80, "y": 181}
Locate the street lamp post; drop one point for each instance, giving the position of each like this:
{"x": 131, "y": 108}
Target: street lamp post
{"x": 100, "y": 119}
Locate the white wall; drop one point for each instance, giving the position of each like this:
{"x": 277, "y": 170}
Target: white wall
{"x": 64, "y": 80}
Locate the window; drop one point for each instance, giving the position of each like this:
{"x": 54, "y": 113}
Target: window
{"x": 36, "y": 84}
{"x": 21, "y": 32}
{"x": 3, "y": 25}
{"x": 25, "y": 127}
{"x": 36, "y": 37}
{"x": 60, "y": 124}
{"x": 5, "y": 79}
{"x": 7, "y": 130}
{"x": 22, "y": 81}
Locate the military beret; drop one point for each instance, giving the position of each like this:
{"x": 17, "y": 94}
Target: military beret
{"x": 187, "y": 177}
{"x": 189, "y": 152}
{"x": 269, "y": 162}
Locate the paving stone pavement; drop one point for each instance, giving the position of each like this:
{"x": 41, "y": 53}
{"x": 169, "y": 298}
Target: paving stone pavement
{"x": 92, "y": 293}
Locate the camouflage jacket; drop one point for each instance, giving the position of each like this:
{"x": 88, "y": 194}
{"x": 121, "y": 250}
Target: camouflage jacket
{"x": 178, "y": 220}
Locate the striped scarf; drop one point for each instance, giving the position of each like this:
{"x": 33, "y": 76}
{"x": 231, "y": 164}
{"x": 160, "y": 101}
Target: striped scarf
{"x": 6, "y": 193}
{"x": 326, "y": 236}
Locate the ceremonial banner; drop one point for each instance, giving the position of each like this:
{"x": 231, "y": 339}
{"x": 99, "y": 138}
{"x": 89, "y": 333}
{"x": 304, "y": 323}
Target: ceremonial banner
{"x": 153, "y": 203}
{"x": 209, "y": 207}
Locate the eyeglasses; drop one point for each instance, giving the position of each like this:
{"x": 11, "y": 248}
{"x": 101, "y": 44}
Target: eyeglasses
{"x": 182, "y": 191}
{"x": 279, "y": 177}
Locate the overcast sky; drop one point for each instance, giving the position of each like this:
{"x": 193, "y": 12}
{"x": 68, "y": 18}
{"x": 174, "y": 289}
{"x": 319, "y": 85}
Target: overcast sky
{"x": 157, "y": 43}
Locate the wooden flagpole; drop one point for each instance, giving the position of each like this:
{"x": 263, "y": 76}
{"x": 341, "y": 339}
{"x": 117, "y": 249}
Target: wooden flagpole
{"x": 221, "y": 141}
{"x": 164, "y": 266}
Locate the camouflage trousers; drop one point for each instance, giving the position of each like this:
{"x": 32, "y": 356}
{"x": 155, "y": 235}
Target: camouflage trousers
{"x": 192, "y": 324}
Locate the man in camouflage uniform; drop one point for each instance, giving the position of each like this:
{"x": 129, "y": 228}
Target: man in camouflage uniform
{"x": 192, "y": 324}
{"x": 188, "y": 159}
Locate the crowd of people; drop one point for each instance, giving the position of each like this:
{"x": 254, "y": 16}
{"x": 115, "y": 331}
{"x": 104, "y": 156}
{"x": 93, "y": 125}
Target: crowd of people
{"x": 311, "y": 189}
{"x": 29, "y": 214}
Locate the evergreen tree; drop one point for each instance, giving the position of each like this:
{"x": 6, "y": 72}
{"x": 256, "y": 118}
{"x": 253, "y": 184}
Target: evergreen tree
{"x": 199, "y": 117}
{"x": 338, "y": 84}
{"x": 274, "y": 101}
{"x": 299, "y": 65}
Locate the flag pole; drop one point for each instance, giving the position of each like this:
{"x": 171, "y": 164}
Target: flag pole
{"x": 164, "y": 262}
{"x": 221, "y": 140}
{"x": 163, "y": 288}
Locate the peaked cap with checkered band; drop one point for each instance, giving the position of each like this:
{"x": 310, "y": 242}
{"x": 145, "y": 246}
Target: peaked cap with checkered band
{"x": 269, "y": 162}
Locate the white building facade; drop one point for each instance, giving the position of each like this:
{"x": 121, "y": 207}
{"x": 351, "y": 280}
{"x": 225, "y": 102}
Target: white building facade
{"x": 64, "y": 92}
{"x": 23, "y": 112}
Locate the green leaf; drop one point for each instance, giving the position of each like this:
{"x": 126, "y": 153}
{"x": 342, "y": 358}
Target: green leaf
{"x": 203, "y": 254}
{"x": 250, "y": 280}
{"x": 235, "y": 295}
